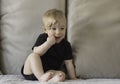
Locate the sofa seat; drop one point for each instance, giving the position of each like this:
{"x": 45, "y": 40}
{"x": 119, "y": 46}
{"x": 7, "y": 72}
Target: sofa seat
{"x": 18, "y": 79}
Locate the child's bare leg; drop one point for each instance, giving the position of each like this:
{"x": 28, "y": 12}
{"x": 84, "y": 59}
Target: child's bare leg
{"x": 33, "y": 65}
{"x": 58, "y": 77}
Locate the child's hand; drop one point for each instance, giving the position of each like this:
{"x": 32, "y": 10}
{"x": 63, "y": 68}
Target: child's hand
{"x": 51, "y": 40}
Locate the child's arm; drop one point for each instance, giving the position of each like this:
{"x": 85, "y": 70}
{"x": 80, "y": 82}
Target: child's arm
{"x": 70, "y": 69}
{"x": 42, "y": 49}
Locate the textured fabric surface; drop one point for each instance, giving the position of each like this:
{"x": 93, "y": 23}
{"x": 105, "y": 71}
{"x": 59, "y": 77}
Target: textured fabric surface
{"x": 18, "y": 79}
{"x": 0, "y": 47}
{"x": 0, "y": 73}
{"x": 20, "y": 27}
{"x": 94, "y": 32}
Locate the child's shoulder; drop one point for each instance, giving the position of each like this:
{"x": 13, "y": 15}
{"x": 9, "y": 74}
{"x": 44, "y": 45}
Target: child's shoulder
{"x": 43, "y": 35}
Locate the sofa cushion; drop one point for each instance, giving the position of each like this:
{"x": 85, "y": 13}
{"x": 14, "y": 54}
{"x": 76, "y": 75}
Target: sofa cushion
{"x": 0, "y": 44}
{"x": 94, "y": 32}
{"x": 21, "y": 25}
{"x": 0, "y": 73}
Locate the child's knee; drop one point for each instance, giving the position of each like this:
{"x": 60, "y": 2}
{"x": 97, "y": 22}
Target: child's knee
{"x": 33, "y": 56}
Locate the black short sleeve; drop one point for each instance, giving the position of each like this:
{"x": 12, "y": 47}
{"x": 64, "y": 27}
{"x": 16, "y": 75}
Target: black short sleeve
{"x": 40, "y": 40}
{"x": 68, "y": 51}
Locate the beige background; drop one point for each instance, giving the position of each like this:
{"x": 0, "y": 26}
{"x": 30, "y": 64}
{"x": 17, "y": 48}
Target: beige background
{"x": 94, "y": 32}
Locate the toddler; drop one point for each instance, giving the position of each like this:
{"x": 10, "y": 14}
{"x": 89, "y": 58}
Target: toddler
{"x": 50, "y": 51}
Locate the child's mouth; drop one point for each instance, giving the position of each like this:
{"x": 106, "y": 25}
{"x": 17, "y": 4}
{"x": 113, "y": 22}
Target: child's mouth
{"x": 57, "y": 38}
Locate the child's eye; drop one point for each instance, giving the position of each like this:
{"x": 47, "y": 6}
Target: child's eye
{"x": 53, "y": 28}
{"x": 62, "y": 28}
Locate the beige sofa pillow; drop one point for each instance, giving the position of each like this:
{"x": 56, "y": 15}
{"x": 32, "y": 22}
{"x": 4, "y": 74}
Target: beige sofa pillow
{"x": 94, "y": 32}
{"x": 0, "y": 47}
{"x": 21, "y": 25}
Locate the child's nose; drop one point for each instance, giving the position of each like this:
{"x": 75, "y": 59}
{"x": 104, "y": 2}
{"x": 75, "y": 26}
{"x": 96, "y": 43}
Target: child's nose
{"x": 57, "y": 31}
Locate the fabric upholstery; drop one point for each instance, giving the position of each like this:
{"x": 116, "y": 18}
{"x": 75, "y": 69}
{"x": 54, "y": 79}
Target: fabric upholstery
{"x": 0, "y": 73}
{"x": 94, "y": 32}
{"x": 20, "y": 27}
{"x": 0, "y": 43}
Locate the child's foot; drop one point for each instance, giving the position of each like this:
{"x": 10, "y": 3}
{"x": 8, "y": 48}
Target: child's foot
{"x": 57, "y": 78}
{"x": 45, "y": 77}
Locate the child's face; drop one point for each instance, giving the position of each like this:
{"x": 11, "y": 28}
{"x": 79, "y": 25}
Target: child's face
{"x": 58, "y": 31}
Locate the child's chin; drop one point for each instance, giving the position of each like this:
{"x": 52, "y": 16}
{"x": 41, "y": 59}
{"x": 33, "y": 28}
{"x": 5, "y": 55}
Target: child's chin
{"x": 58, "y": 41}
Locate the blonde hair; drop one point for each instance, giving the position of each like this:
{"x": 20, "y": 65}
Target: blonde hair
{"x": 53, "y": 16}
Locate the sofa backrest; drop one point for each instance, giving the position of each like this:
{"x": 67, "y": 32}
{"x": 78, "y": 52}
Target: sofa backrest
{"x": 94, "y": 32}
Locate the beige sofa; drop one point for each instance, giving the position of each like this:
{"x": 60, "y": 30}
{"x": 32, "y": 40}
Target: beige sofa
{"x": 93, "y": 30}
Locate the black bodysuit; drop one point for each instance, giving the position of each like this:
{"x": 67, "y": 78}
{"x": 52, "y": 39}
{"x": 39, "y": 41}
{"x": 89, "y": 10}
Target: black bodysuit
{"x": 55, "y": 56}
